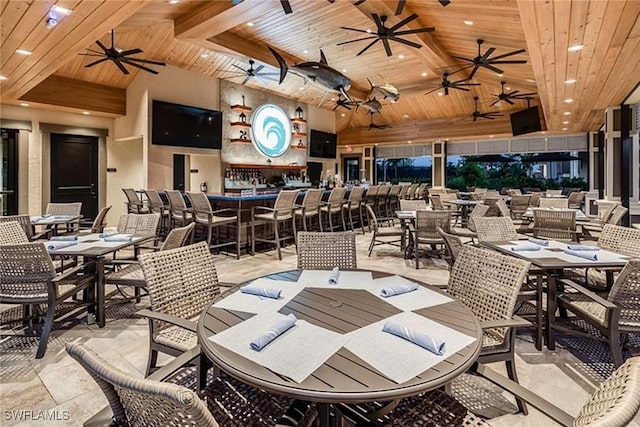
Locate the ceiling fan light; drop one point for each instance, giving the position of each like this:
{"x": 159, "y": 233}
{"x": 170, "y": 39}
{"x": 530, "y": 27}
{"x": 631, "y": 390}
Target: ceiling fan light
{"x": 567, "y": 113}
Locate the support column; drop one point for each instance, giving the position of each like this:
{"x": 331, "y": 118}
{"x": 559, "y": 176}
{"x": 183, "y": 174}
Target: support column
{"x": 625, "y": 157}
{"x": 439, "y": 156}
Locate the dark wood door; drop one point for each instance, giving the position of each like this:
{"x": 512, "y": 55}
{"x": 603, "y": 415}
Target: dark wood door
{"x": 178, "y": 171}
{"x": 74, "y": 171}
{"x": 9, "y": 172}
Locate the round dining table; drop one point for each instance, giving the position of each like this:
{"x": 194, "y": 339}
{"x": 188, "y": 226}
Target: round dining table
{"x": 343, "y": 377}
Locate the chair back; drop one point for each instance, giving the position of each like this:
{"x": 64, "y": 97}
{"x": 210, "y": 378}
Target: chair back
{"x": 201, "y": 206}
{"x": 477, "y": 212}
{"x": 384, "y": 190}
{"x": 324, "y": 251}
{"x": 421, "y": 192}
{"x": 621, "y": 240}
{"x": 336, "y": 197}
{"x": 355, "y": 195}
{"x": 479, "y": 190}
{"x": 373, "y": 220}
{"x": 503, "y": 208}
{"x": 411, "y": 190}
{"x": 403, "y": 191}
{"x": 156, "y": 204}
{"x": 492, "y": 202}
{"x": 520, "y": 203}
{"x": 476, "y": 196}
{"x": 178, "y": 237}
{"x": 181, "y": 281}
{"x": 12, "y": 229}
{"x": 428, "y": 222}
{"x": 495, "y": 229}
{"x": 551, "y": 193}
{"x": 575, "y": 199}
{"x": 604, "y": 214}
{"x": 372, "y": 192}
{"x": 99, "y": 222}
{"x": 313, "y": 196}
{"x": 176, "y": 200}
{"x": 142, "y": 402}
{"x": 72, "y": 209}
{"x": 285, "y": 200}
{"x": 145, "y": 224}
{"x": 436, "y": 202}
{"x": 554, "y": 224}
{"x": 616, "y": 401}
{"x": 131, "y": 195}
{"x": 453, "y": 243}
{"x": 413, "y": 205}
{"x": 488, "y": 283}
{"x": 514, "y": 192}
{"x": 547, "y": 202}
{"x": 618, "y": 213}
{"x": 625, "y": 290}
{"x": 26, "y": 271}
{"x": 534, "y": 202}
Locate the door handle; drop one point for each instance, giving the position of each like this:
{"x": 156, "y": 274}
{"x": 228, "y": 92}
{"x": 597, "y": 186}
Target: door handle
{"x": 93, "y": 190}
{"x": 76, "y": 187}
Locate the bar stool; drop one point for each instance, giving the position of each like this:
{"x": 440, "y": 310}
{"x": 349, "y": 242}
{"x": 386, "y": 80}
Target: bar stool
{"x": 310, "y": 207}
{"x": 420, "y": 192}
{"x": 332, "y": 206}
{"x": 382, "y": 199}
{"x": 134, "y": 204}
{"x": 411, "y": 190}
{"x": 156, "y": 205}
{"x": 205, "y": 216}
{"x": 353, "y": 202}
{"x": 393, "y": 200}
{"x": 178, "y": 208}
{"x": 282, "y": 212}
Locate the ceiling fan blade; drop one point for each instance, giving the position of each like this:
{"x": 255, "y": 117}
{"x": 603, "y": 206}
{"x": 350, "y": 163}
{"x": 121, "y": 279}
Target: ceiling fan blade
{"x": 473, "y": 72}
{"x": 119, "y": 64}
{"x": 387, "y": 47}
{"x": 488, "y": 53}
{"x": 495, "y": 102}
{"x": 368, "y": 46}
{"x": 416, "y": 31}
{"x": 359, "y": 2}
{"x": 510, "y": 94}
{"x": 92, "y": 54}
{"x": 504, "y": 55}
{"x": 356, "y": 29}
{"x": 286, "y": 6}
{"x": 407, "y": 42}
{"x": 524, "y": 95}
{"x": 245, "y": 80}
{"x": 95, "y": 51}
{"x": 144, "y": 61}
{"x": 462, "y": 58}
{"x": 400, "y": 7}
{"x": 377, "y": 20}
{"x": 433, "y": 90}
{"x": 519, "y": 61}
{"x": 492, "y": 68}
{"x": 509, "y": 101}
{"x": 142, "y": 67}
{"x": 239, "y": 68}
{"x": 268, "y": 74}
{"x": 404, "y": 22}
{"x": 130, "y": 52}
{"x": 357, "y": 40}
{"x": 267, "y": 77}
{"x": 96, "y": 62}
{"x": 103, "y": 47}
{"x": 446, "y": 90}
{"x": 460, "y": 88}
{"x": 257, "y": 70}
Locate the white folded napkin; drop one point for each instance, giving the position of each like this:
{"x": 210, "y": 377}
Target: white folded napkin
{"x": 64, "y": 238}
{"x": 109, "y": 234}
{"x": 334, "y": 275}
{"x": 590, "y": 255}
{"x": 118, "y": 239}
{"x": 273, "y": 332}
{"x": 582, "y": 248}
{"x": 403, "y": 288}
{"x": 262, "y": 291}
{"x": 417, "y": 337}
{"x": 526, "y": 247}
{"x": 52, "y": 246}
{"x": 540, "y": 242}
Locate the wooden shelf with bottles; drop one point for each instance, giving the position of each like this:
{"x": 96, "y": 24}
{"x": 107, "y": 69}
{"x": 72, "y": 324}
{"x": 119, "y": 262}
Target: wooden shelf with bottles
{"x": 263, "y": 166}
{"x": 298, "y": 134}
{"x": 298, "y": 121}
{"x": 240, "y": 108}
{"x": 298, "y": 147}
{"x": 240, "y": 124}
{"x": 241, "y": 140}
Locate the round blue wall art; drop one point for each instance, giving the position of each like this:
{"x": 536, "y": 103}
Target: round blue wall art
{"x": 270, "y": 130}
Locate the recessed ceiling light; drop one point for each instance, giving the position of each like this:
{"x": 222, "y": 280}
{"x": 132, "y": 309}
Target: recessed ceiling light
{"x": 565, "y": 122}
{"x": 468, "y": 22}
{"x": 333, "y": 99}
{"x": 440, "y": 93}
{"x": 342, "y": 115}
{"x": 344, "y": 70}
{"x": 250, "y": 24}
{"x": 500, "y": 74}
{"x": 565, "y": 128}
{"x": 406, "y": 116}
{"x": 543, "y": 133}
{"x": 570, "y": 81}
{"x": 173, "y": 1}
{"x": 3, "y": 78}
{"x": 204, "y": 55}
{"x": 368, "y": 31}
{"x": 401, "y": 56}
{"x": 424, "y": 74}
{"x": 567, "y": 113}
{"x": 507, "y": 88}
{"x": 409, "y": 142}
{"x": 568, "y": 100}
{"x": 531, "y": 80}
{"x": 575, "y": 48}
{"x": 61, "y": 10}
{"x": 24, "y": 104}
{"x": 23, "y": 51}
{"x": 301, "y": 87}
{"x": 305, "y": 51}
{"x": 86, "y": 113}
{"x": 490, "y": 136}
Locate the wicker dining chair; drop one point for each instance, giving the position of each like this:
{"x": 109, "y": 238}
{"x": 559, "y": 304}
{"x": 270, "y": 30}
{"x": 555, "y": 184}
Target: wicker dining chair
{"x": 519, "y": 205}
{"x": 614, "y": 403}
{"x": 181, "y": 283}
{"x": 575, "y": 200}
{"x": 411, "y": 190}
{"x": 413, "y": 205}
{"x": 453, "y": 244}
{"x": 393, "y": 199}
{"x": 333, "y": 206}
{"x": 384, "y": 235}
{"x": 28, "y": 278}
{"x": 555, "y": 224}
{"x": 553, "y": 202}
{"x": 425, "y": 230}
{"x": 139, "y": 401}
{"x": 534, "y": 202}
{"x": 618, "y": 314}
{"x": 491, "y": 202}
{"x": 180, "y": 214}
{"x": 514, "y": 192}
{"x": 71, "y": 209}
{"x": 25, "y": 223}
{"x": 310, "y": 207}
{"x": 146, "y": 224}
{"x": 489, "y": 284}
{"x": 281, "y": 213}
{"x": 12, "y": 233}
{"x": 354, "y": 202}
{"x": 421, "y": 192}
{"x": 156, "y": 205}
{"x": 495, "y": 229}
{"x": 205, "y": 216}
{"x": 616, "y": 216}
{"x": 382, "y": 201}
{"x": 324, "y": 251}
{"x": 551, "y": 193}
{"x": 134, "y": 204}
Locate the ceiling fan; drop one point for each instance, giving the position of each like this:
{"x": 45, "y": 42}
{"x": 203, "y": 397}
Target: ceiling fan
{"x": 491, "y": 115}
{"x": 401, "y": 4}
{"x": 484, "y": 60}
{"x": 255, "y": 73}
{"x": 120, "y": 57}
{"x": 384, "y": 33}
{"x": 507, "y": 97}
{"x": 446, "y": 84}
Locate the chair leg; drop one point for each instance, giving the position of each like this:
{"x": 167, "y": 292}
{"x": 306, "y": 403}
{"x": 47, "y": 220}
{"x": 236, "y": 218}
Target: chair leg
{"x": 330, "y": 214}
{"x": 373, "y": 241}
{"x": 513, "y": 376}
{"x": 253, "y": 237}
{"x": 344, "y": 224}
{"x": 277, "y": 237}
{"x": 361, "y": 219}
{"x": 614, "y": 346}
{"x": 46, "y": 329}
{"x": 152, "y": 361}
{"x": 295, "y": 233}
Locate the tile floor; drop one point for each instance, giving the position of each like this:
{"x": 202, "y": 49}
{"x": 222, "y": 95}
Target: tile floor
{"x": 57, "y": 383}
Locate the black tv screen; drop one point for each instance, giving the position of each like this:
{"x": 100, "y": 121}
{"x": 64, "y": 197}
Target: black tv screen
{"x": 323, "y": 144}
{"x": 525, "y": 121}
{"x": 185, "y": 126}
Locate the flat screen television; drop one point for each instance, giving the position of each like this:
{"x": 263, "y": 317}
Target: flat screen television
{"x": 323, "y": 144}
{"x": 185, "y": 126}
{"x": 525, "y": 121}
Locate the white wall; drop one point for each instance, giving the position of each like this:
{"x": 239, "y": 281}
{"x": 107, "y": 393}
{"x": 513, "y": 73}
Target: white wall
{"x": 35, "y": 158}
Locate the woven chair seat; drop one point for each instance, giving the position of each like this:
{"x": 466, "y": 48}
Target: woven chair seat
{"x": 595, "y": 277}
{"x": 628, "y": 318}
{"x": 390, "y": 231}
{"x": 271, "y": 216}
{"x": 216, "y": 220}
{"x": 130, "y": 273}
{"x": 27, "y": 295}
{"x": 177, "y": 337}
{"x": 307, "y": 212}
{"x": 429, "y": 240}
{"x": 493, "y": 343}
{"x": 334, "y": 208}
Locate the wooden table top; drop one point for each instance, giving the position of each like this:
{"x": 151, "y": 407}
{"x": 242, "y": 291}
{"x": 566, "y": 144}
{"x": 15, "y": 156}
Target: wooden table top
{"x": 344, "y": 377}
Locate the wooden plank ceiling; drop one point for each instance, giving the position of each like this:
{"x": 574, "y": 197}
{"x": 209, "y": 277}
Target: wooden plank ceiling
{"x": 215, "y": 37}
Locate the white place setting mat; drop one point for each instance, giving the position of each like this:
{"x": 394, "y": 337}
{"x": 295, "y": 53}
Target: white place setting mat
{"x": 296, "y": 354}
{"x": 410, "y": 301}
{"x": 346, "y": 279}
{"x": 398, "y": 359}
{"x": 249, "y": 303}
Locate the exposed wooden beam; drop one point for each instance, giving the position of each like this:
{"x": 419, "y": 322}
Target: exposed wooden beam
{"x": 88, "y": 22}
{"x": 73, "y": 93}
